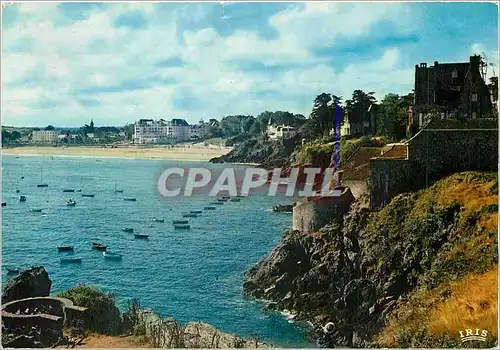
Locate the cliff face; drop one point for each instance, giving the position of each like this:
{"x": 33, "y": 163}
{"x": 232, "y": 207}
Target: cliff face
{"x": 259, "y": 150}
{"x": 360, "y": 273}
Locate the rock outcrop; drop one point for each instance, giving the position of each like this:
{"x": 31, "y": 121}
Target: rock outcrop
{"x": 350, "y": 275}
{"x": 34, "y": 282}
{"x": 258, "y": 150}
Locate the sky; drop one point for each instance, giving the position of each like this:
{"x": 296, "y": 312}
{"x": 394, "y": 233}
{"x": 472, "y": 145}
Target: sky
{"x": 65, "y": 63}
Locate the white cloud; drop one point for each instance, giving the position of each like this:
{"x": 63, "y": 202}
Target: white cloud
{"x": 66, "y": 62}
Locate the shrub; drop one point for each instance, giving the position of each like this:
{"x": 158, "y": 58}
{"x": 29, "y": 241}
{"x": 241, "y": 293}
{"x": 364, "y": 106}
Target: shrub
{"x": 102, "y": 316}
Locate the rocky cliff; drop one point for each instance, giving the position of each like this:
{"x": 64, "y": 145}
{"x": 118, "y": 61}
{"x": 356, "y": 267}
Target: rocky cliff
{"x": 260, "y": 150}
{"x": 354, "y": 276}
{"x": 34, "y": 282}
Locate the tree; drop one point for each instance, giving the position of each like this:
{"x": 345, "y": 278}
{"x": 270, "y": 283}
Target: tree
{"x": 392, "y": 115}
{"x": 323, "y": 114}
{"x": 49, "y": 127}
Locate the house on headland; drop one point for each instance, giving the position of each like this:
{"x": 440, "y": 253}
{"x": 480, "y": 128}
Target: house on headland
{"x": 450, "y": 91}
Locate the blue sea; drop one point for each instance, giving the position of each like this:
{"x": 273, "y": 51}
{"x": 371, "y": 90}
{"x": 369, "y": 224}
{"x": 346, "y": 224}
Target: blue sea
{"x": 191, "y": 275}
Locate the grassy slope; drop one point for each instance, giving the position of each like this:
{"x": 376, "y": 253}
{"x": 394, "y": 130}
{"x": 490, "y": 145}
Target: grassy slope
{"x": 463, "y": 292}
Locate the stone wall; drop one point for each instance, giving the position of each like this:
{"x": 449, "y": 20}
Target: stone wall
{"x": 310, "y": 214}
{"x": 389, "y": 177}
{"x": 442, "y": 148}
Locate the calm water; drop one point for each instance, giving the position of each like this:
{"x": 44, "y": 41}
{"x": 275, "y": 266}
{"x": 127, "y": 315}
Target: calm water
{"x": 190, "y": 275}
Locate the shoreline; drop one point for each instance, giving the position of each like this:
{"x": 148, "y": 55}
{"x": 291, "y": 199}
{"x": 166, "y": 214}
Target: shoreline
{"x": 153, "y": 153}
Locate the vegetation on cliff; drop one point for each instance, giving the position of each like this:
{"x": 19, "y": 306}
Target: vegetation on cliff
{"x": 103, "y": 315}
{"x": 376, "y": 275}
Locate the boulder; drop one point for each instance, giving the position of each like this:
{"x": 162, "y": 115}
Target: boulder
{"x": 34, "y": 282}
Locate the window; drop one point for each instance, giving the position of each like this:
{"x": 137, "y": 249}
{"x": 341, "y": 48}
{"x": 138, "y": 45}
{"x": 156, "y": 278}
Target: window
{"x": 473, "y": 115}
{"x": 454, "y": 74}
{"x": 474, "y": 98}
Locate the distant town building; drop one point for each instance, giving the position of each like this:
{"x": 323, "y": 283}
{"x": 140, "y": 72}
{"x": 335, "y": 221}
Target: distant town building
{"x": 162, "y": 131}
{"x": 44, "y": 136}
{"x": 450, "y": 90}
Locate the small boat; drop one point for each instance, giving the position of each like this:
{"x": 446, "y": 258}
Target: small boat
{"x": 222, "y": 199}
{"x": 65, "y": 249}
{"x": 112, "y": 256}
{"x": 209, "y": 208}
{"x": 88, "y": 195}
{"x": 182, "y": 227}
{"x": 69, "y": 190}
{"x": 42, "y": 185}
{"x": 128, "y": 229}
{"x": 36, "y": 210}
{"x": 180, "y": 222}
{"x": 118, "y": 191}
{"x": 78, "y": 190}
{"x": 189, "y": 215}
{"x": 70, "y": 203}
{"x": 226, "y": 197}
{"x": 141, "y": 236}
{"x": 217, "y": 203}
{"x": 17, "y": 191}
{"x": 240, "y": 196}
{"x": 99, "y": 246}
{"x": 4, "y": 204}
{"x": 235, "y": 199}
{"x": 196, "y": 211}
{"x": 70, "y": 260}
{"x": 129, "y": 199}
{"x": 158, "y": 220}
{"x": 22, "y": 198}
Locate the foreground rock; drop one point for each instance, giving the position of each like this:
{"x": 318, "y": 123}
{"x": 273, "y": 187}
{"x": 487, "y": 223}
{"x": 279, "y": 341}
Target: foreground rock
{"x": 34, "y": 282}
{"x": 168, "y": 333}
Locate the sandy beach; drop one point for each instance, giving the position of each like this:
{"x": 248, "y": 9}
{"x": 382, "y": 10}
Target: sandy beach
{"x": 190, "y": 153}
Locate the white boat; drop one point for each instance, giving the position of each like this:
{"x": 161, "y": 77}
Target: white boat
{"x": 70, "y": 203}
{"x": 112, "y": 256}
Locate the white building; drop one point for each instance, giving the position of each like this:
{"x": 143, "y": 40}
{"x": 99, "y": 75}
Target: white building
{"x": 161, "y": 131}
{"x": 44, "y": 136}
{"x": 279, "y": 132}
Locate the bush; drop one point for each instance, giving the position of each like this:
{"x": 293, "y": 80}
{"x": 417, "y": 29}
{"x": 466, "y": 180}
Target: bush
{"x": 103, "y": 316}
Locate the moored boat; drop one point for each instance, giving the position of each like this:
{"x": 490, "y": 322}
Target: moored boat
{"x": 112, "y": 256}
{"x": 65, "y": 248}
{"x": 4, "y": 204}
{"x": 235, "y": 199}
{"x": 158, "y": 220}
{"x": 69, "y": 190}
{"x": 141, "y": 236}
{"x": 13, "y": 271}
{"x": 79, "y": 190}
{"x": 34, "y": 210}
{"x": 99, "y": 246}
{"x": 180, "y": 222}
{"x": 42, "y": 185}
{"x": 129, "y": 199}
{"x": 217, "y": 203}
{"x": 182, "y": 227}
{"x": 209, "y": 208}
{"x": 88, "y": 195}
{"x": 196, "y": 211}
{"x": 70, "y": 203}
{"x": 127, "y": 229}
{"x": 189, "y": 215}
{"x": 222, "y": 199}
{"x": 22, "y": 198}
{"x": 226, "y": 197}
{"x": 73, "y": 260}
